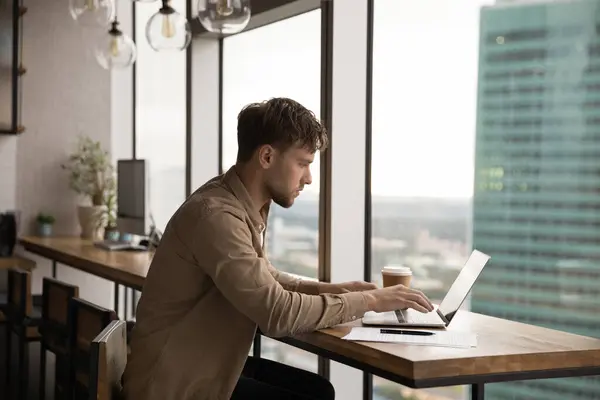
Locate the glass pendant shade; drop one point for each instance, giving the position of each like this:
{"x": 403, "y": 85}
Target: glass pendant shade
{"x": 224, "y": 16}
{"x": 115, "y": 50}
{"x": 168, "y": 30}
{"x": 92, "y": 12}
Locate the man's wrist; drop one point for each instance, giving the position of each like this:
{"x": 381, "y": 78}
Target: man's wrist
{"x": 371, "y": 300}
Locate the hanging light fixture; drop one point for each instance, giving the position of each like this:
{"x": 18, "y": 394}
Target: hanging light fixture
{"x": 224, "y": 16}
{"x": 116, "y": 50}
{"x": 168, "y": 30}
{"x": 92, "y": 12}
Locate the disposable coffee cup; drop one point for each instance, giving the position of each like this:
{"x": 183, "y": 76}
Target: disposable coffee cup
{"x": 396, "y": 275}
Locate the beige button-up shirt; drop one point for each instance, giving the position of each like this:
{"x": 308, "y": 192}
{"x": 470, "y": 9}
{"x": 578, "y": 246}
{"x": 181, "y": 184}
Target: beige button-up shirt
{"x": 209, "y": 286}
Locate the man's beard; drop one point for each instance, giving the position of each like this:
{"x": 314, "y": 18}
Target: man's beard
{"x": 280, "y": 199}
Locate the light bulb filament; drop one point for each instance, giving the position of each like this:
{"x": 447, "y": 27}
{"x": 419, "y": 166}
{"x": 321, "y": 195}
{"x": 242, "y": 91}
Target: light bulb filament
{"x": 168, "y": 30}
{"x": 224, "y": 7}
{"x": 114, "y": 47}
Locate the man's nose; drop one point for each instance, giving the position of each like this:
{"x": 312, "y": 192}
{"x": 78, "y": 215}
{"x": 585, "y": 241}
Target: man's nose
{"x": 308, "y": 178}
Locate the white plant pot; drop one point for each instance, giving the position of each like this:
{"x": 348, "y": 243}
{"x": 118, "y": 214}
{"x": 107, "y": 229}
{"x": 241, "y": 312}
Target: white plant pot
{"x": 92, "y": 221}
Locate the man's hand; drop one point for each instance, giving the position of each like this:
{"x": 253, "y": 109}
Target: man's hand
{"x": 345, "y": 287}
{"x": 397, "y": 297}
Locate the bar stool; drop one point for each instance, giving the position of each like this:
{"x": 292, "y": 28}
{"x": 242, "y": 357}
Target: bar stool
{"x": 6, "y": 263}
{"x": 23, "y": 319}
{"x": 54, "y": 330}
{"x": 108, "y": 360}
{"x": 86, "y": 321}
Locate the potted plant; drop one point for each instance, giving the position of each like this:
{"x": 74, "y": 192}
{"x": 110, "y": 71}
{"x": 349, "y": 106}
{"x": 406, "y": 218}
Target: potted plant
{"x": 91, "y": 175}
{"x": 44, "y": 224}
{"x": 111, "y": 232}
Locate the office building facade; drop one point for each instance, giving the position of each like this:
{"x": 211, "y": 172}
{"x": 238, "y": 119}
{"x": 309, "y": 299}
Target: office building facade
{"x": 536, "y": 207}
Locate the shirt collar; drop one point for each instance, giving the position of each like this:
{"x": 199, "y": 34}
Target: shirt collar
{"x": 258, "y": 217}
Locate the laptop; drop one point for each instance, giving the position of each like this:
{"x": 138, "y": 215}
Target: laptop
{"x": 115, "y": 245}
{"x": 441, "y": 316}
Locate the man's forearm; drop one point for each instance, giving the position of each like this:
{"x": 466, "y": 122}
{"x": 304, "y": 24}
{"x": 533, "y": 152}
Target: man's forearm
{"x": 306, "y": 286}
{"x": 312, "y": 287}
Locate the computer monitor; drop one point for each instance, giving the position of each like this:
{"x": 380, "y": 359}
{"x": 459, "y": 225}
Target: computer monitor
{"x": 133, "y": 197}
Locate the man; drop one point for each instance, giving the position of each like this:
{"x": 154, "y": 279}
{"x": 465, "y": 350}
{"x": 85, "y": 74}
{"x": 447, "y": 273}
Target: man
{"x": 210, "y": 284}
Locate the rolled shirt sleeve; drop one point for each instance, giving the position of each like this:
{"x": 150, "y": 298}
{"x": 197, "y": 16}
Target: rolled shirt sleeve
{"x": 294, "y": 284}
{"x": 273, "y": 300}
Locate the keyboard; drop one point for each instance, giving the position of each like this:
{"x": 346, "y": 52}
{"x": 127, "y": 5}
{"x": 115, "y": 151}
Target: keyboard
{"x": 112, "y": 245}
{"x": 415, "y": 317}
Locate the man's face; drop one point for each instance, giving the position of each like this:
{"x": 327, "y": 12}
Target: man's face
{"x": 288, "y": 173}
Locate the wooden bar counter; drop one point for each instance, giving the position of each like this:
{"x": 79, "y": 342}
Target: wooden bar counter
{"x": 506, "y": 350}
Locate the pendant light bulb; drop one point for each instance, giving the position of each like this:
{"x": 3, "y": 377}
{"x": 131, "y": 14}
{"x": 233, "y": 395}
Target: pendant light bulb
{"x": 168, "y": 29}
{"x": 224, "y": 16}
{"x": 115, "y": 51}
{"x": 92, "y": 12}
{"x": 225, "y": 8}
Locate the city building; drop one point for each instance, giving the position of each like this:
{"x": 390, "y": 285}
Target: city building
{"x": 537, "y": 177}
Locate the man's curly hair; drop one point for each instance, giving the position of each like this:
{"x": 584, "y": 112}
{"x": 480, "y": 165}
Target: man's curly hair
{"x": 281, "y": 123}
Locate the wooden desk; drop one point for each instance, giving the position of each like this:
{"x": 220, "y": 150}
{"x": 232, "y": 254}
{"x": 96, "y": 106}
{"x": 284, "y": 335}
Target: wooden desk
{"x": 128, "y": 268}
{"x": 506, "y": 350}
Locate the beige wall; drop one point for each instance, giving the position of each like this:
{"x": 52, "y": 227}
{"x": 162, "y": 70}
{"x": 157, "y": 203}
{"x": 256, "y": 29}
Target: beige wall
{"x": 65, "y": 94}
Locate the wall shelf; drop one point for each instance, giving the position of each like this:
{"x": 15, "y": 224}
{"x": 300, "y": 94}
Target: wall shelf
{"x": 11, "y": 65}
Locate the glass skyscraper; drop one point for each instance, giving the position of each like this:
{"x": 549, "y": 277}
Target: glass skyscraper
{"x": 536, "y": 207}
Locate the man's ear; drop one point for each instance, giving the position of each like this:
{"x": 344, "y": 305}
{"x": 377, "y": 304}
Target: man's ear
{"x": 266, "y": 156}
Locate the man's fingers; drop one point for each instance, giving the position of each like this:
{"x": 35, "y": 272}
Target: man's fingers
{"x": 416, "y": 306}
{"x": 422, "y": 295}
{"x": 421, "y": 300}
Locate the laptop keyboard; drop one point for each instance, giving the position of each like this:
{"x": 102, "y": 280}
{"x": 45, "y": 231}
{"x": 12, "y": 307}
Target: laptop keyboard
{"x": 415, "y": 317}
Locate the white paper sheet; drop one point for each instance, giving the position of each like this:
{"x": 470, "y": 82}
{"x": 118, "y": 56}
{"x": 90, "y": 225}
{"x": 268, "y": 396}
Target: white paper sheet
{"x": 439, "y": 338}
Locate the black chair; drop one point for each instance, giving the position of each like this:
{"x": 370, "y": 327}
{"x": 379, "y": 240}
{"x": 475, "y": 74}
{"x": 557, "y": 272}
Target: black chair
{"x": 23, "y": 316}
{"x": 6, "y": 263}
{"x": 54, "y": 330}
{"x": 86, "y": 321}
{"x": 108, "y": 360}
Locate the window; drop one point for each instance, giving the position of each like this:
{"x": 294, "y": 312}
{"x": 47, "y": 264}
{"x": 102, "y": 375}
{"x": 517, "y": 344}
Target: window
{"x": 536, "y": 175}
{"x": 160, "y": 117}
{"x": 484, "y": 132}
{"x": 425, "y": 57}
{"x": 282, "y": 59}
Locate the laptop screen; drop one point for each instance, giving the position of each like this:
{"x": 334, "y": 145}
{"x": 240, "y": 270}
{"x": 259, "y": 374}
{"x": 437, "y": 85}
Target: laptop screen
{"x": 462, "y": 285}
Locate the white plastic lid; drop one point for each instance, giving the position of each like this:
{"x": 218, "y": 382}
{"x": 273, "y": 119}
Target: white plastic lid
{"x": 396, "y": 270}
